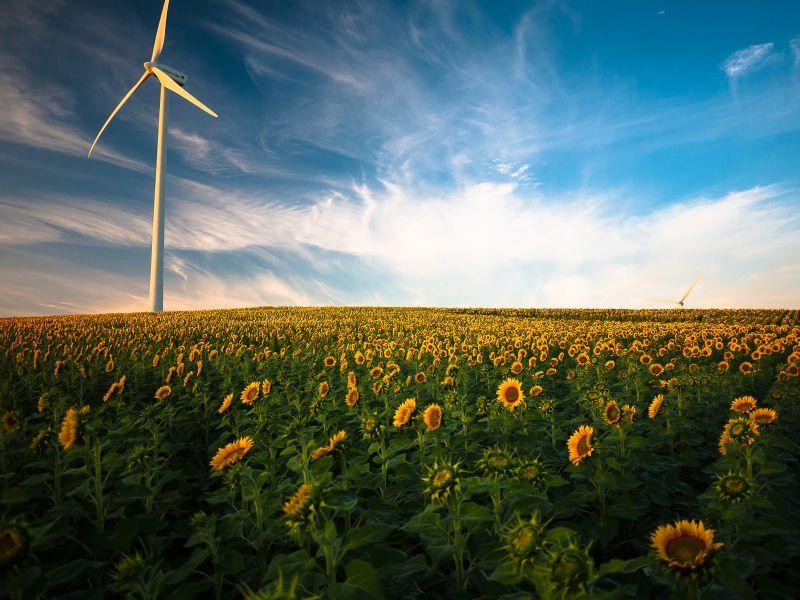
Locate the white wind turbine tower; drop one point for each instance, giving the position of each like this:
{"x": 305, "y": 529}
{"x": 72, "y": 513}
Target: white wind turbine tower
{"x": 174, "y": 81}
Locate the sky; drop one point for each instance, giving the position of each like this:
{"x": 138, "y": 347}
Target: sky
{"x": 438, "y": 153}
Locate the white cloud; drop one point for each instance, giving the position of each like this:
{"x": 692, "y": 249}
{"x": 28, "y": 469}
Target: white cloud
{"x": 794, "y": 44}
{"x": 486, "y": 245}
{"x": 747, "y": 60}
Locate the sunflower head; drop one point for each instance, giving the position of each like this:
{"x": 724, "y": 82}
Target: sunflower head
{"x": 404, "y": 412}
{"x": 163, "y": 392}
{"x": 510, "y": 394}
{"x": 532, "y": 471}
{"x": 612, "y": 414}
{"x": 741, "y": 430}
{"x": 329, "y": 361}
{"x": 655, "y": 406}
{"x": 352, "y": 397}
{"x": 629, "y": 412}
{"x": 763, "y": 416}
{"x": 441, "y": 481}
{"x": 10, "y": 422}
{"x": 580, "y": 444}
{"x": 743, "y": 404}
{"x": 568, "y": 565}
{"x": 231, "y": 453}
{"x": 226, "y": 404}
{"x": 685, "y": 544}
{"x": 496, "y": 461}
{"x": 370, "y": 424}
{"x": 432, "y": 417}
{"x": 523, "y": 540}
{"x": 733, "y": 487}
{"x": 299, "y": 511}
{"x": 13, "y": 544}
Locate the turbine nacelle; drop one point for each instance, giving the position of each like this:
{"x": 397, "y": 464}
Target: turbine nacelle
{"x": 176, "y": 76}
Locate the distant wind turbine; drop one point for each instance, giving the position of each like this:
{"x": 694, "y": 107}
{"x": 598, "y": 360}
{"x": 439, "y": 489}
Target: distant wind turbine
{"x": 683, "y": 299}
{"x": 172, "y": 80}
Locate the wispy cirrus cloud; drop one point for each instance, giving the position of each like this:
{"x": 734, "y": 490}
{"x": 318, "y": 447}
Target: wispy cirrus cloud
{"x": 747, "y": 60}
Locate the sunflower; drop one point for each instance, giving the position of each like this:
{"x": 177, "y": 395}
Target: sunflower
{"x": 68, "y": 434}
{"x": 336, "y": 439}
{"x": 612, "y": 413}
{"x": 351, "y": 380}
{"x": 163, "y": 392}
{"x": 293, "y": 508}
{"x": 536, "y": 391}
{"x": 510, "y": 394}
{"x": 352, "y": 397}
{"x": 741, "y": 430}
{"x": 610, "y": 364}
{"x": 10, "y": 422}
{"x": 251, "y": 392}
{"x": 629, "y": 412}
{"x": 523, "y": 540}
{"x": 732, "y": 487}
{"x": 420, "y": 377}
{"x": 583, "y": 359}
{"x": 111, "y": 391}
{"x": 442, "y": 479}
{"x": 323, "y": 389}
{"x": 516, "y": 367}
{"x": 655, "y": 406}
{"x": 684, "y": 545}
{"x": 12, "y": 545}
{"x": 231, "y": 453}
{"x": 41, "y": 404}
{"x": 329, "y": 361}
{"x": 226, "y": 403}
{"x": 403, "y": 413}
{"x": 656, "y": 369}
{"x": 763, "y": 416}
{"x": 497, "y": 461}
{"x": 376, "y": 372}
{"x": 432, "y": 417}
{"x": 266, "y": 387}
{"x": 743, "y": 404}
{"x": 746, "y": 368}
{"x": 580, "y": 444}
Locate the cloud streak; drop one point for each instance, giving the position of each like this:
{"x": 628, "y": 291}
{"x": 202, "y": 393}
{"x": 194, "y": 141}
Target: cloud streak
{"x": 747, "y": 60}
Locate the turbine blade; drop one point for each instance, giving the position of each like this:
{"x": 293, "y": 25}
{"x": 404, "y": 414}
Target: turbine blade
{"x": 161, "y": 33}
{"x": 168, "y": 83}
{"x": 662, "y": 301}
{"x": 116, "y": 110}
{"x": 689, "y": 291}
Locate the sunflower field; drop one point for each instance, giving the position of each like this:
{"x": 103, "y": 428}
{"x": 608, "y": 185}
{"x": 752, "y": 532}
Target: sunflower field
{"x": 401, "y": 453}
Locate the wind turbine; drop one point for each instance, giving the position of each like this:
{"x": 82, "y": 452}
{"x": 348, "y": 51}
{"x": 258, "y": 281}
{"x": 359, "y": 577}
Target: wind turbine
{"x": 683, "y": 299}
{"x": 171, "y": 80}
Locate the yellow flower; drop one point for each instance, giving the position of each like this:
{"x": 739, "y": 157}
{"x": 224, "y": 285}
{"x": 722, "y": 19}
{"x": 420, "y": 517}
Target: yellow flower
{"x": 251, "y": 392}
{"x": 163, "y": 392}
{"x": 510, "y": 394}
{"x": 324, "y": 388}
{"x": 743, "y": 404}
{"x": 580, "y": 444}
{"x": 10, "y": 422}
{"x": 611, "y": 413}
{"x": 336, "y": 439}
{"x": 420, "y": 377}
{"x": 432, "y": 417}
{"x": 294, "y": 507}
{"x": 403, "y": 413}
{"x": 266, "y": 387}
{"x": 68, "y": 434}
{"x": 111, "y": 391}
{"x": 655, "y": 406}
{"x": 763, "y": 416}
{"x": 231, "y": 453}
{"x": 536, "y": 391}
{"x": 516, "y": 367}
{"x": 629, "y": 412}
{"x": 226, "y": 403}
{"x": 684, "y": 545}
{"x": 352, "y": 397}
{"x": 11, "y": 544}
{"x": 329, "y": 361}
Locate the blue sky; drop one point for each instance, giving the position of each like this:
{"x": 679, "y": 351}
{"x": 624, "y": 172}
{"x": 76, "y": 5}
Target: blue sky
{"x": 435, "y": 153}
